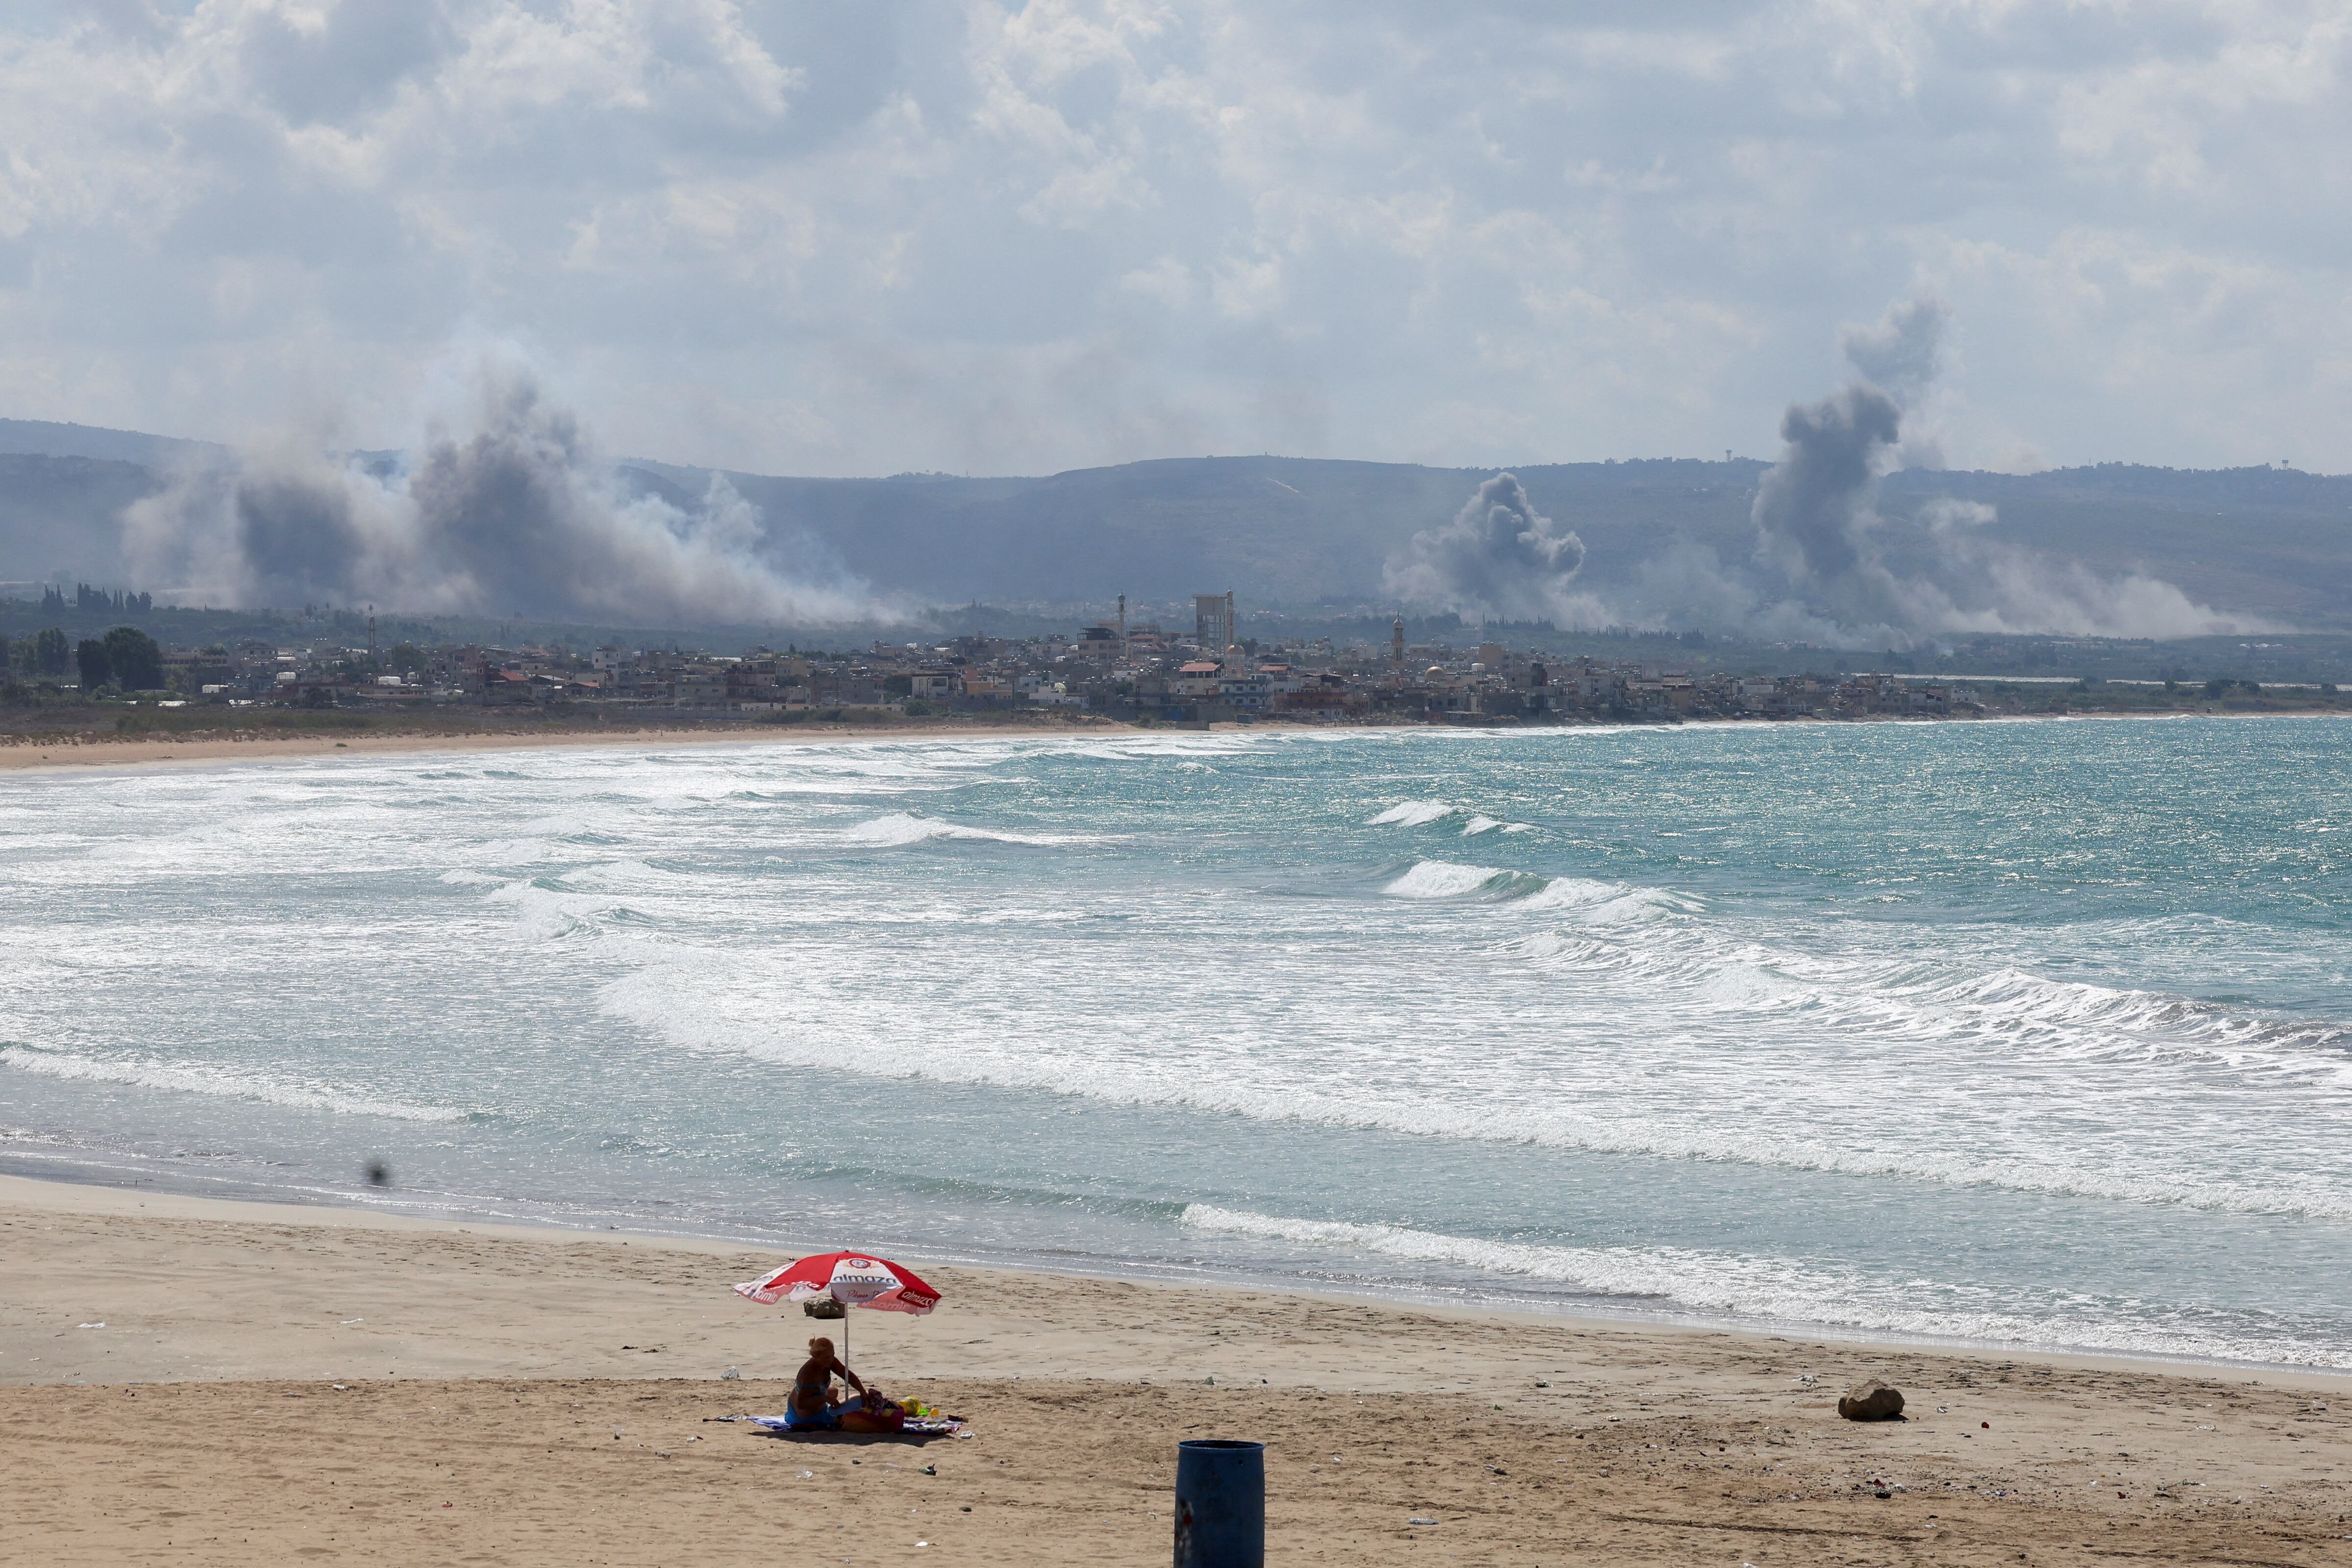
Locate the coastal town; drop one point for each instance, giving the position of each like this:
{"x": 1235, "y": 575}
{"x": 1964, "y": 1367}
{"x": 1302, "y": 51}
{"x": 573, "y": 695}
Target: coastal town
{"x": 1141, "y": 672}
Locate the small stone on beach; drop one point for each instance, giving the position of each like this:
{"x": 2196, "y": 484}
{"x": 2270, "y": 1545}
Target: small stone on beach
{"x": 1872, "y": 1401}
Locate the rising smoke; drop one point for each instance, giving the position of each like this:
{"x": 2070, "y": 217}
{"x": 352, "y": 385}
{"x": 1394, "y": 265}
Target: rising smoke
{"x": 518, "y": 515}
{"x": 1823, "y": 568}
{"x": 1499, "y": 559}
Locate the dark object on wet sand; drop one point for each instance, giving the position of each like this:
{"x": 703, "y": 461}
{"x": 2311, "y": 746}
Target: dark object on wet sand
{"x": 1220, "y": 1504}
{"x": 1872, "y": 1401}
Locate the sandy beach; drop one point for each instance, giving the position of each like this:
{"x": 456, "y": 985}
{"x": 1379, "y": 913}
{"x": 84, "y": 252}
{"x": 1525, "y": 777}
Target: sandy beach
{"x": 191, "y": 1381}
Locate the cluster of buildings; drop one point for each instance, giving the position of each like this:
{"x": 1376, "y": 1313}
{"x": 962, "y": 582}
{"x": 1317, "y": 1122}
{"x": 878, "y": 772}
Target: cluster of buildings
{"x": 1192, "y": 676}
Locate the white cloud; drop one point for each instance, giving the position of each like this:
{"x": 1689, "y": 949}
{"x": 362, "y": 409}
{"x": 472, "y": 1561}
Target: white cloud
{"x": 981, "y": 236}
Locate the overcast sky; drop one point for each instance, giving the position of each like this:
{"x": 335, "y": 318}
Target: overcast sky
{"x": 856, "y": 239}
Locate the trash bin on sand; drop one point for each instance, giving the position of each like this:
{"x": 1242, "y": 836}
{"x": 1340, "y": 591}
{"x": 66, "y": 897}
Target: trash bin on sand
{"x": 1220, "y": 1504}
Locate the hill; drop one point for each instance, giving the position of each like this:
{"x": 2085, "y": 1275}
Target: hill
{"x": 1308, "y": 534}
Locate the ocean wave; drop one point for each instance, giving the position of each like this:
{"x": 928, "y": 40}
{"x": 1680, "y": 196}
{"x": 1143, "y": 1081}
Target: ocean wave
{"x": 1958, "y": 1126}
{"x": 1421, "y": 813}
{"x": 546, "y": 910}
{"x": 1454, "y": 879}
{"x": 623, "y": 875}
{"x": 1632, "y": 901}
{"x": 213, "y": 1078}
{"x": 1449, "y": 880}
{"x": 1411, "y": 814}
{"x": 1782, "y": 1290}
{"x": 900, "y": 828}
{"x": 2031, "y": 1017}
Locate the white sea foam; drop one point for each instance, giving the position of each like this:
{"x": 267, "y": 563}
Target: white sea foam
{"x": 1446, "y": 879}
{"x": 1421, "y": 813}
{"x": 1774, "y": 1290}
{"x": 1411, "y": 814}
{"x": 1959, "y": 1126}
{"x": 625, "y": 876}
{"x": 1602, "y": 902}
{"x": 215, "y": 1079}
{"x": 901, "y": 828}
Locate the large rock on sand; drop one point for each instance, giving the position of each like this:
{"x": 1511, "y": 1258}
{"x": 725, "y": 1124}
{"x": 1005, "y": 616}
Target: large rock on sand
{"x": 1872, "y": 1401}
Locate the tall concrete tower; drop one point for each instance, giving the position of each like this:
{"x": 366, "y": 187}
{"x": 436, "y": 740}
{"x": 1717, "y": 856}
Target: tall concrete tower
{"x": 1396, "y": 648}
{"x": 1122, "y": 628}
{"x": 1213, "y": 623}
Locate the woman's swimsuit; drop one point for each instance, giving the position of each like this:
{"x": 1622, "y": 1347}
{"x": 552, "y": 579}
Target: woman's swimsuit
{"x": 825, "y": 1418}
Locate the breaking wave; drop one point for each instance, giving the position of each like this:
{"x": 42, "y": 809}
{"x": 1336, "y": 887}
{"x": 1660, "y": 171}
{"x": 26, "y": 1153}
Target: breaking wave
{"x": 1411, "y": 814}
{"x": 1446, "y": 879}
{"x": 1421, "y": 813}
{"x": 903, "y": 828}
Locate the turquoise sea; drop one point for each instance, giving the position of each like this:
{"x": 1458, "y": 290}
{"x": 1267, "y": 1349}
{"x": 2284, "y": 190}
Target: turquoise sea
{"x": 2033, "y": 1034}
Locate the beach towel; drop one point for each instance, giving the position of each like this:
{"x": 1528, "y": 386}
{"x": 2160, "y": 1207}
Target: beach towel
{"x": 915, "y": 1426}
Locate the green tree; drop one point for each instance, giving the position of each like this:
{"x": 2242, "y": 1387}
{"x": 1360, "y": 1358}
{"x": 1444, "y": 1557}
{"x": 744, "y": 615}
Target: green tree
{"x": 91, "y": 654}
{"x": 407, "y": 658}
{"x": 4, "y": 651}
{"x": 49, "y": 652}
{"x": 136, "y": 662}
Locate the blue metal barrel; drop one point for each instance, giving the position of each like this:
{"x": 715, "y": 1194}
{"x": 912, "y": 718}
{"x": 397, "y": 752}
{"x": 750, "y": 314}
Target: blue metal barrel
{"x": 1220, "y": 1504}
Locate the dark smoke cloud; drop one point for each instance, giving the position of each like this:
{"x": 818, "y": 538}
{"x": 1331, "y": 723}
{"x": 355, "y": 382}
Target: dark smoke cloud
{"x": 1821, "y": 569}
{"x": 1499, "y": 559}
{"x": 1814, "y": 508}
{"x": 518, "y": 515}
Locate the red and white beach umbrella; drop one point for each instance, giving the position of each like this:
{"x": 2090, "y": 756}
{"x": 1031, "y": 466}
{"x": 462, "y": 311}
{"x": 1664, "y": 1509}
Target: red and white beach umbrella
{"x": 852, "y": 1279}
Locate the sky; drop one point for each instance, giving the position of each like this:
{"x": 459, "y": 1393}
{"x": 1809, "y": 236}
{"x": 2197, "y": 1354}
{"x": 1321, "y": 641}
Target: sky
{"x": 984, "y": 237}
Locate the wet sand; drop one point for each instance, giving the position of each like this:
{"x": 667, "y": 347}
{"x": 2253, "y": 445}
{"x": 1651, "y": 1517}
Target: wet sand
{"x": 525, "y": 1396}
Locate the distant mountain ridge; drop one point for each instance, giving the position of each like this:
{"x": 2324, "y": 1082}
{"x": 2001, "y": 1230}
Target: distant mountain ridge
{"x": 1303, "y": 532}
{"x": 43, "y": 439}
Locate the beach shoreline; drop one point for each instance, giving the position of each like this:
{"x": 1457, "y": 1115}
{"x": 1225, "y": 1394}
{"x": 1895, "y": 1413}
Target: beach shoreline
{"x": 260, "y": 1381}
{"x": 22, "y": 753}
{"x": 74, "y": 1194}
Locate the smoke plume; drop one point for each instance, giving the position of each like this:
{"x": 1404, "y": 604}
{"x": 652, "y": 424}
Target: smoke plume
{"x": 1901, "y": 354}
{"x": 518, "y": 515}
{"x": 1499, "y": 559}
{"x": 1823, "y": 568}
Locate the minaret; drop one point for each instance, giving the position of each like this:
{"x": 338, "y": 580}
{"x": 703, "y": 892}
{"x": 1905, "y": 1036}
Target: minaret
{"x": 1396, "y": 648}
{"x": 1232, "y": 653}
{"x": 1122, "y": 628}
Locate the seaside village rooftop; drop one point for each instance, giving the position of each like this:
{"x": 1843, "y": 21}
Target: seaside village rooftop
{"x": 1139, "y": 673}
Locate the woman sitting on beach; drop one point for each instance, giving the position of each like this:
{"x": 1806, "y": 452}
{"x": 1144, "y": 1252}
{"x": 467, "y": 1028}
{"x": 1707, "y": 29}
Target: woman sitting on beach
{"x": 812, "y": 1407}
